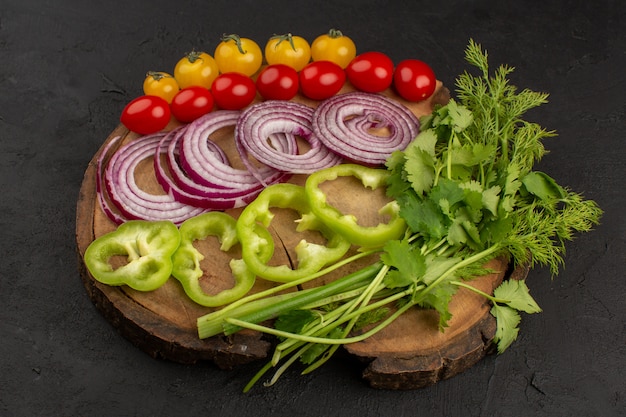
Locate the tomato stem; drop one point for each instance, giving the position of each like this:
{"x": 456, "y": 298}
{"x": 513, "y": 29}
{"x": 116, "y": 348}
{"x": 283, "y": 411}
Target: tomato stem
{"x": 334, "y": 33}
{"x": 235, "y": 38}
{"x": 193, "y": 56}
{"x": 286, "y": 37}
{"x": 157, "y": 75}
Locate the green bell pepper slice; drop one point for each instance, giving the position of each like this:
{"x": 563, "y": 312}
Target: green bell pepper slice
{"x": 148, "y": 247}
{"x": 257, "y": 216}
{"x": 186, "y": 259}
{"x": 347, "y": 224}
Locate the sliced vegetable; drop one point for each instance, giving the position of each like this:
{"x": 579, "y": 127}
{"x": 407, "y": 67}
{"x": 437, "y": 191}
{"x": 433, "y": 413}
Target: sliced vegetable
{"x": 134, "y": 202}
{"x": 160, "y": 84}
{"x": 204, "y": 166}
{"x": 146, "y": 115}
{"x": 196, "y": 69}
{"x": 176, "y": 182}
{"x": 233, "y": 91}
{"x": 311, "y": 257}
{"x": 371, "y": 72}
{"x": 320, "y": 80}
{"x": 190, "y": 103}
{"x": 277, "y": 82}
{"x": 414, "y": 80}
{"x": 333, "y": 46}
{"x": 364, "y": 128}
{"x": 186, "y": 260}
{"x": 347, "y": 224}
{"x": 147, "y": 247}
{"x": 268, "y": 132}
{"x": 114, "y": 215}
{"x": 237, "y": 54}
{"x": 291, "y": 50}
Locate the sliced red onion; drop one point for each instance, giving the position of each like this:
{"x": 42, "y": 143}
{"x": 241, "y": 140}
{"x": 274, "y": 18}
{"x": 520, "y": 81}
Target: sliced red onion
{"x": 185, "y": 190}
{"x": 343, "y": 124}
{"x": 203, "y": 166}
{"x": 268, "y": 132}
{"x": 100, "y": 193}
{"x": 132, "y": 201}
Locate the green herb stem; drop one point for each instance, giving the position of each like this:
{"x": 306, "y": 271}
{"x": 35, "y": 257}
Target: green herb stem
{"x": 477, "y": 291}
{"x": 322, "y": 340}
{"x": 305, "y": 298}
{"x": 465, "y": 262}
{"x": 211, "y": 324}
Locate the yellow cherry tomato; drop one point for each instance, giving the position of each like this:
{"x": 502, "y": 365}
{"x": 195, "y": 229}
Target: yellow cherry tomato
{"x": 236, "y": 54}
{"x": 160, "y": 84}
{"x": 196, "y": 69}
{"x": 334, "y": 47}
{"x": 290, "y": 50}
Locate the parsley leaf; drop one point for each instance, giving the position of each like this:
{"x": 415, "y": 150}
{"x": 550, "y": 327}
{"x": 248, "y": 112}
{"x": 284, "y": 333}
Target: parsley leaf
{"x": 409, "y": 264}
{"x": 423, "y": 216}
{"x": 420, "y": 165}
{"x": 517, "y": 295}
{"x": 294, "y": 321}
{"x": 507, "y": 322}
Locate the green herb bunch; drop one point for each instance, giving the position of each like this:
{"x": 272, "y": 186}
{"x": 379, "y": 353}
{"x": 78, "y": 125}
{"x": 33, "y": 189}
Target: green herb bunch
{"x": 467, "y": 189}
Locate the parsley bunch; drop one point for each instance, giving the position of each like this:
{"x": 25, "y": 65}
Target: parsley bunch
{"x": 468, "y": 193}
{"x": 467, "y": 190}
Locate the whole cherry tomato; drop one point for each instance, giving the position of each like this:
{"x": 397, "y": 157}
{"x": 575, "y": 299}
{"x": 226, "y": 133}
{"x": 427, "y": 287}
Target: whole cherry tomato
{"x": 277, "y": 82}
{"x": 191, "y": 103}
{"x": 146, "y": 114}
{"x": 333, "y": 46}
{"x": 371, "y": 72}
{"x": 196, "y": 68}
{"x": 233, "y": 91}
{"x": 236, "y": 54}
{"x": 290, "y": 50}
{"x": 320, "y": 80}
{"x": 160, "y": 84}
{"x": 414, "y": 80}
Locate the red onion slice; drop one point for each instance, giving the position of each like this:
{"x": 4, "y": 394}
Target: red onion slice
{"x": 132, "y": 201}
{"x": 113, "y": 215}
{"x": 268, "y": 132}
{"x": 343, "y": 124}
{"x": 203, "y": 167}
{"x": 185, "y": 190}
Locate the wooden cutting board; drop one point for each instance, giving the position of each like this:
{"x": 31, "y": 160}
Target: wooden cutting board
{"x": 408, "y": 354}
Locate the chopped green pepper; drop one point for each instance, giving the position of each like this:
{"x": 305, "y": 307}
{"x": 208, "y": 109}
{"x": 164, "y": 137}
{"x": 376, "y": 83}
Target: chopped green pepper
{"x": 186, "y": 259}
{"x": 311, "y": 257}
{"x": 148, "y": 246}
{"x": 347, "y": 224}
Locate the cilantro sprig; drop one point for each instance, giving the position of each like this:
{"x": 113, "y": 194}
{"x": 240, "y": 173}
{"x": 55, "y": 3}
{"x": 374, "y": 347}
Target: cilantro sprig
{"x": 467, "y": 189}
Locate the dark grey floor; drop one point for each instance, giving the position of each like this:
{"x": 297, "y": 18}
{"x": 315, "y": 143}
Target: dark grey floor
{"x": 68, "y": 67}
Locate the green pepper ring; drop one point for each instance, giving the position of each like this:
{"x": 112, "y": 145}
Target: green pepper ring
{"x": 148, "y": 246}
{"x": 311, "y": 257}
{"x": 346, "y": 224}
{"x": 186, "y": 260}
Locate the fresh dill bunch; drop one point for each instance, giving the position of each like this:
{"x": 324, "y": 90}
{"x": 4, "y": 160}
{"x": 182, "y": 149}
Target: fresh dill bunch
{"x": 498, "y": 109}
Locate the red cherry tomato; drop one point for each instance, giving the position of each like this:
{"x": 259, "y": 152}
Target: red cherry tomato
{"x": 277, "y": 82}
{"x": 146, "y": 114}
{"x": 190, "y": 103}
{"x": 233, "y": 91}
{"x": 414, "y": 80}
{"x": 371, "y": 72}
{"x": 320, "y": 80}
